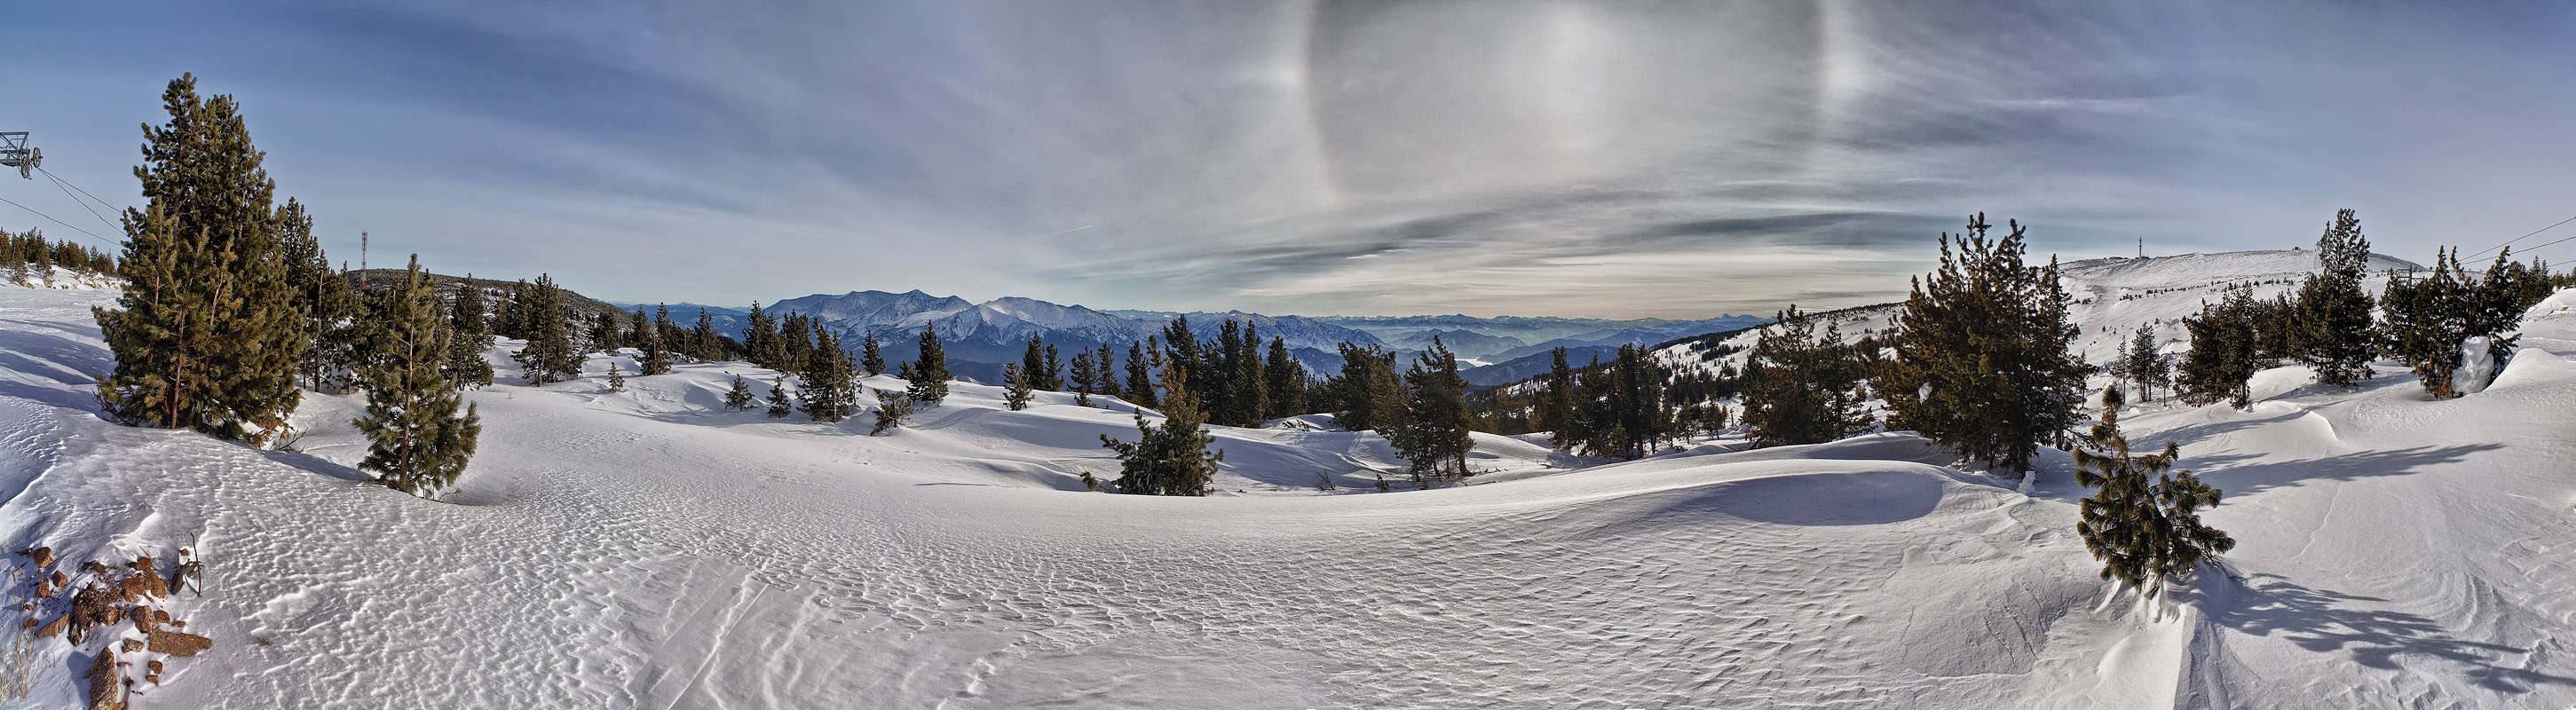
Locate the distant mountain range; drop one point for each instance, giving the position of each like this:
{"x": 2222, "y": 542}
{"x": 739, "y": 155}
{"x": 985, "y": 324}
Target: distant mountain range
{"x": 980, "y": 337}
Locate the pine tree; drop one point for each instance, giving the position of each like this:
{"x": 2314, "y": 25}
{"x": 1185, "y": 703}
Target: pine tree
{"x": 641, "y": 334}
{"x": 1053, "y": 376}
{"x": 871, "y": 356}
{"x": 207, "y": 332}
{"x": 1249, "y": 380}
{"x": 796, "y": 338}
{"x": 892, "y": 408}
{"x": 1015, "y": 386}
{"x": 1800, "y": 386}
{"x": 1287, "y": 385}
{"x": 415, "y": 437}
{"x": 2427, "y": 319}
{"x": 1367, "y": 391}
{"x": 472, "y": 335}
{"x": 1139, "y": 389}
{"x": 606, "y": 337}
{"x": 1085, "y": 377}
{"x": 649, "y": 338}
{"x": 2223, "y": 352}
{"x": 760, "y": 338}
{"x": 1434, "y": 434}
{"x": 550, "y": 355}
{"x": 930, "y": 373}
{"x": 616, "y": 377}
{"x": 1556, "y": 411}
{"x": 739, "y": 398}
{"x": 2143, "y": 524}
{"x": 1983, "y": 358}
{"x": 2332, "y": 331}
{"x": 1643, "y": 418}
{"x": 705, "y": 345}
{"x": 1034, "y": 365}
{"x": 512, "y": 321}
{"x": 779, "y": 407}
{"x": 1171, "y": 459}
{"x": 825, "y": 385}
{"x": 323, "y": 296}
{"x": 1181, "y": 353}
{"x": 2143, "y": 366}
{"x": 1104, "y": 371}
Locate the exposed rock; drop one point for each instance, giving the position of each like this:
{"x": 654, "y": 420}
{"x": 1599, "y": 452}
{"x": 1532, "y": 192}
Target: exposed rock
{"x": 91, "y": 606}
{"x": 44, "y": 556}
{"x": 55, "y": 627}
{"x": 105, "y": 691}
{"x": 178, "y": 643}
{"x": 130, "y": 646}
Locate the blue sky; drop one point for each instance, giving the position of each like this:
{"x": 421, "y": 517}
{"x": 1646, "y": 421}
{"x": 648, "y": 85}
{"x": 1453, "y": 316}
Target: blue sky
{"x": 1588, "y": 159}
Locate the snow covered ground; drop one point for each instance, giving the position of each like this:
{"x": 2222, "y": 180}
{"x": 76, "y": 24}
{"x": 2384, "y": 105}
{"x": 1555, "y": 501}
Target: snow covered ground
{"x": 648, "y": 549}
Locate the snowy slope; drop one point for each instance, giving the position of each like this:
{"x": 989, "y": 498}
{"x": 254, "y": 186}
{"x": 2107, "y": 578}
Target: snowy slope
{"x": 647, "y": 549}
{"x": 2113, "y": 298}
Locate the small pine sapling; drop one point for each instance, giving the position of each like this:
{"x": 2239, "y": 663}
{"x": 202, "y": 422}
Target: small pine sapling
{"x": 739, "y": 398}
{"x": 779, "y": 407}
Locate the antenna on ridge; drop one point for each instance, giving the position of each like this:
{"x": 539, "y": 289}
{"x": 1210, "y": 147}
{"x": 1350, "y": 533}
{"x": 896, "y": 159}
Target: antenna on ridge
{"x": 15, "y": 153}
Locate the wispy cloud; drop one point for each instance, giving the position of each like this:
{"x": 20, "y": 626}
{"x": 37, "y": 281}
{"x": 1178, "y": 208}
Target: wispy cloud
{"x": 1576, "y": 158}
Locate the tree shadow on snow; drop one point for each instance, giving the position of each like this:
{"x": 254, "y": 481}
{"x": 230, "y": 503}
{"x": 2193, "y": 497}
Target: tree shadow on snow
{"x": 317, "y": 465}
{"x": 2204, "y": 432}
{"x": 2239, "y": 479}
{"x": 2325, "y": 620}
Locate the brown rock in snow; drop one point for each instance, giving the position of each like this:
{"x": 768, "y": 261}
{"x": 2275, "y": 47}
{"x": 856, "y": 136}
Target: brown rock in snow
{"x": 105, "y": 693}
{"x": 178, "y": 643}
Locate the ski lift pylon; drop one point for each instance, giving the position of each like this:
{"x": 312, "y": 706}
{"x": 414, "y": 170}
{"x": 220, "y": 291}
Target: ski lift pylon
{"x": 15, "y": 153}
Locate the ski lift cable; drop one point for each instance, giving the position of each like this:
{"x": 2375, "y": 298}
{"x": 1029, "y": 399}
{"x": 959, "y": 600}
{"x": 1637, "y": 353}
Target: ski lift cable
{"x": 2561, "y": 241}
{"x": 2523, "y": 237}
{"x": 67, "y": 192}
{"x": 84, "y": 193}
{"x": 92, "y": 235}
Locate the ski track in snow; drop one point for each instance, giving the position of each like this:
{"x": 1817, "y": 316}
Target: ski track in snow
{"x": 647, "y": 550}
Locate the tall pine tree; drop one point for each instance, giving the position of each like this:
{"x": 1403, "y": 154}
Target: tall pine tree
{"x": 760, "y": 338}
{"x": 1139, "y": 388}
{"x": 827, "y": 385}
{"x": 1801, "y": 386}
{"x": 325, "y": 299}
{"x": 2143, "y": 365}
{"x": 471, "y": 335}
{"x": 706, "y": 345}
{"x": 2224, "y": 352}
{"x": 208, "y": 331}
{"x": 550, "y": 355}
{"x": 415, "y": 436}
{"x": 930, "y": 373}
{"x": 1287, "y": 381}
{"x": 2332, "y": 330}
{"x": 1370, "y": 396}
{"x": 1983, "y": 358}
{"x": 654, "y": 341}
{"x": 871, "y": 356}
{"x": 1434, "y": 434}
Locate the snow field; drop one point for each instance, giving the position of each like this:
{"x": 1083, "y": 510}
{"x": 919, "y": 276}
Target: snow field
{"x": 648, "y": 549}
